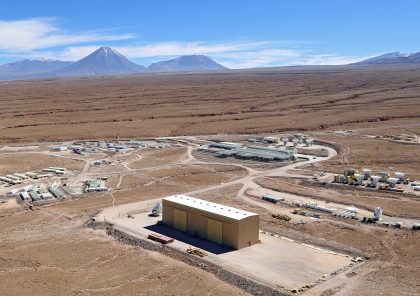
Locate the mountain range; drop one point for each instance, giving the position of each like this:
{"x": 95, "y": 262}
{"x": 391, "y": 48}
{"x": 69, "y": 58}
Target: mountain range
{"x": 186, "y": 63}
{"x": 30, "y": 67}
{"x": 103, "y": 61}
{"x": 392, "y": 58}
{"x": 107, "y": 61}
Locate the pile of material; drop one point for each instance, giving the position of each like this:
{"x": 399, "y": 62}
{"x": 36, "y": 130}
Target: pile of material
{"x": 281, "y": 217}
{"x": 196, "y": 251}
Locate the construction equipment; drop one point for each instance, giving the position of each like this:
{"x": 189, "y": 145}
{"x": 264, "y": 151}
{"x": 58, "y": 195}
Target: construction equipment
{"x": 281, "y": 217}
{"x": 350, "y": 175}
{"x": 196, "y": 251}
{"x": 300, "y": 212}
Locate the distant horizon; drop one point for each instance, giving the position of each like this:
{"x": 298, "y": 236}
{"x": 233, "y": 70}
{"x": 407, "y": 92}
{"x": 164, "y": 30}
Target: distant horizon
{"x": 175, "y": 57}
{"x": 237, "y": 34}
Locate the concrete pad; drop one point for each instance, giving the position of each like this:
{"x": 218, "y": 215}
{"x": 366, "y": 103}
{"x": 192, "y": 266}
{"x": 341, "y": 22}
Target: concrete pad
{"x": 277, "y": 261}
{"x": 283, "y": 262}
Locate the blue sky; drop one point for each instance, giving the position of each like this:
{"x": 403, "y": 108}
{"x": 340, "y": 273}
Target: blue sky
{"x": 238, "y": 34}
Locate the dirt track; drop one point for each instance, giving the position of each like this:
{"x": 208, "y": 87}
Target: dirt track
{"x": 50, "y": 251}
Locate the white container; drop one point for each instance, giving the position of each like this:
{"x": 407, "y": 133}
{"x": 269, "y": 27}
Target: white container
{"x": 392, "y": 182}
{"x": 400, "y": 176}
{"x": 25, "y": 196}
{"x": 374, "y": 181}
{"x": 359, "y": 179}
{"x": 377, "y": 214}
{"x": 367, "y": 173}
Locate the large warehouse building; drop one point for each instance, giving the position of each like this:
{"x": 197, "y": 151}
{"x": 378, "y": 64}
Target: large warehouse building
{"x": 218, "y": 223}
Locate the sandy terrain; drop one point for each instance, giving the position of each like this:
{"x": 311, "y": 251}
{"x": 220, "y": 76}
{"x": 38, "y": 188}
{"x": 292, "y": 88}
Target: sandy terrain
{"x": 377, "y": 155}
{"x": 50, "y": 251}
{"x": 25, "y": 162}
{"x": 156, "y": 157}
{"x": 242, "y": 102}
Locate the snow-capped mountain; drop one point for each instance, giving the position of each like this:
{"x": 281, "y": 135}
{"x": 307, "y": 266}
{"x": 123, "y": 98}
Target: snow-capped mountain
{"x": 104, "y": 61}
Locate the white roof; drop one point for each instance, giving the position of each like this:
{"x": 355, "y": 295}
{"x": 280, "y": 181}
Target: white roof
{"x": 210, "y": 207}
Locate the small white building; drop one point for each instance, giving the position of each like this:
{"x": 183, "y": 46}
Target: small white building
{"x": 58, "y": 148}
{"x": 271, "y": 140}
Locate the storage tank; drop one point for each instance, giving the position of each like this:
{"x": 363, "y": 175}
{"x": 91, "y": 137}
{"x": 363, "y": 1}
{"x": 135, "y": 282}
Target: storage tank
{"x": 367, "y": 173}
{"x": 384, "y": 176}
{"x": 374, "y": 181}
{"x": 392, "y": 182}
{"x": 377, "y": 214}
{"x": 359, "y": 179}
{"x": 342, "y": 179}
{"x": 299, "y": 137}
{"x": 297, "y": 203}
{"x": 352, "y": 209}
{"x": 400, "y": 176}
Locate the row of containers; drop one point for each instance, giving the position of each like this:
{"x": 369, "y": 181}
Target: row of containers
{"x": 38, "y": 194}
{"x": 349, "y": 213}
{"x": 18, "y": 178}
{"x": 296, "y": 139}
{"x": 357, "y": 178}
{"x": 109, "y": 146}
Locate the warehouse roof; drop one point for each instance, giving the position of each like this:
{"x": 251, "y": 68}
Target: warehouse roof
{"x": 210, "y": 207}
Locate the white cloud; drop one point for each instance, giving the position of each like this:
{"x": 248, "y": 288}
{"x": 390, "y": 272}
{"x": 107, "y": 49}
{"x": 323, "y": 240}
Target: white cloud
{"x": 328, "y": 59}
{"x": 159, "y": 49}
{"x": 40, "y": 33}
{"x": 258, "y": 58}
{"x": 43, "y": 38}
{"x": 234, "y": 55}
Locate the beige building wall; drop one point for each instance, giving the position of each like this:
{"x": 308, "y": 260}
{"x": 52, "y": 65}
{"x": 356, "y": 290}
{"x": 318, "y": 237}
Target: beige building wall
{"x": 248, "y": 233}
{"x": 236, "y": 234}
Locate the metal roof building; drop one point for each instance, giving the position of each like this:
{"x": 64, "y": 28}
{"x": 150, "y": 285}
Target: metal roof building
{"x": 226, "y": 145}
{"x": 259, "y": 153}
{"x": 218, "y": 223}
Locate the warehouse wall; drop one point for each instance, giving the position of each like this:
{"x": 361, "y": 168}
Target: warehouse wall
{"x": 230, "y": 234}
{"x": 248, "y": 231}
{"x": 197, "y": 225}
{"x": 167, "y": 213}
{"x": 235, "y": 234}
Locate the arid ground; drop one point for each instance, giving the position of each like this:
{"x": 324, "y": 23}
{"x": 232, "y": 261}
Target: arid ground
{"x": 49, "y": 250}
{"x": 239, "y": 102}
